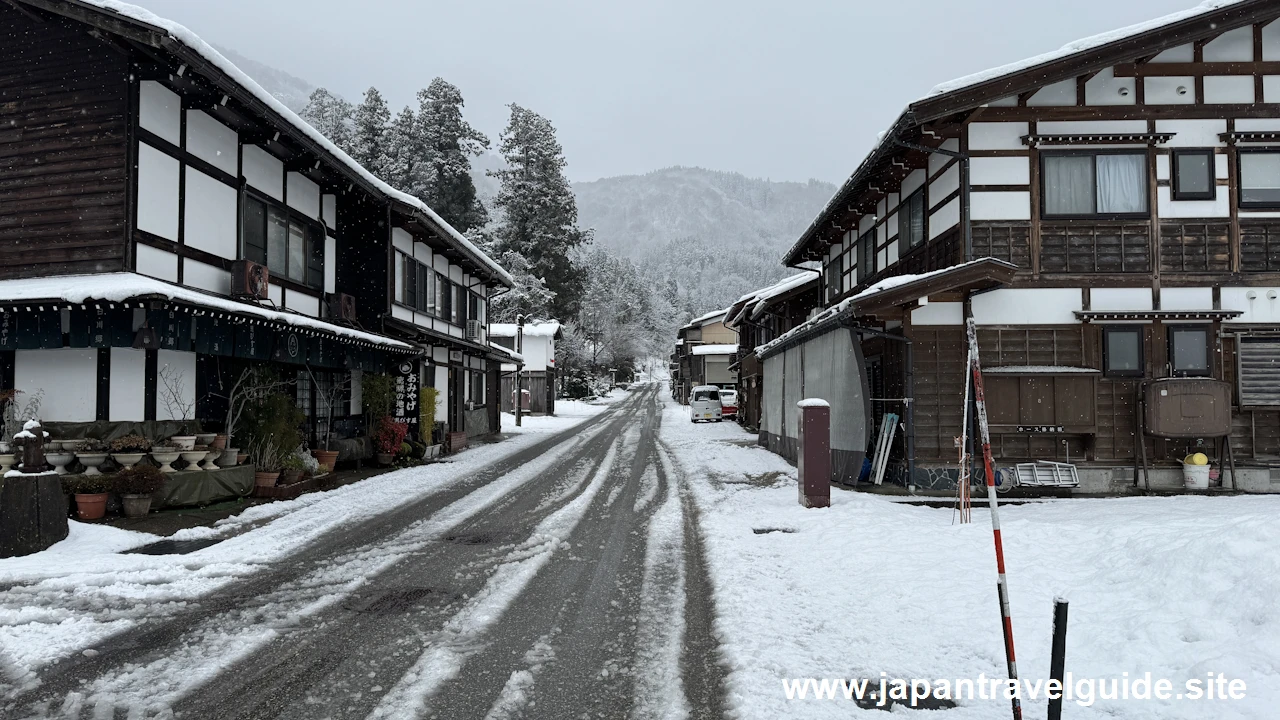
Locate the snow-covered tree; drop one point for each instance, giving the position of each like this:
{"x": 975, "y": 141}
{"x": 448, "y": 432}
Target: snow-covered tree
{"x": 369, "y": 132}
{"x": 448, "y": 144}
{"x": 403, "y": 154}
{"x": 331, "y": 115}
{"x": 539, "y": 213}
{"x": 530, "y": 296}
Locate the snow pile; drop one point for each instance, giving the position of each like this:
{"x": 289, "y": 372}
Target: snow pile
{"x": 547, "y": 329}
{"x": 714, "y": 349}
{"x": 1178, "y": 587}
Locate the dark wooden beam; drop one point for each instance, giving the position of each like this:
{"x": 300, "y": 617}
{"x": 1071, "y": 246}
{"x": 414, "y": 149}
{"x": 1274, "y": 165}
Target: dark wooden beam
{"x": 1198, "y": 69}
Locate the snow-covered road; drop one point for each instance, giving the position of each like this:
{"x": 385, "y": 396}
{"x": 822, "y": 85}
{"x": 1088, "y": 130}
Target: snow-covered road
{"x": 540, "y": 577}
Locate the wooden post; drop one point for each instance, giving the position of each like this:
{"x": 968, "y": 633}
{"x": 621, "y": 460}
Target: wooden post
{"x": 1058, "y": 655}
{"x": 33, "y": 448}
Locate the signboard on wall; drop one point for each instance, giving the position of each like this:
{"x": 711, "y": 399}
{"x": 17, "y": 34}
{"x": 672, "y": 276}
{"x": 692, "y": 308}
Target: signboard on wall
{"x": 290, "y": 348}
{"x": 214, "y": 336}
{"x": 407, "y": 384}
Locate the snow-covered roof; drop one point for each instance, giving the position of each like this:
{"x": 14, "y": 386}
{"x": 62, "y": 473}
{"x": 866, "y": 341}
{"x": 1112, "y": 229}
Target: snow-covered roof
{"x": 191, "y": 40}
{"x": 506, "y": 352}
{"x": 119, "y": 287}
{"x": 715, "y": 349}
{"x": 765, "y": 297}
{"x": 702, "y": 320}
{"x": 547, "y": 329}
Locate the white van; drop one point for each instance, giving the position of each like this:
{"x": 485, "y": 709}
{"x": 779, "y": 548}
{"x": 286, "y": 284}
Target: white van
{"x": 704, "y": 403}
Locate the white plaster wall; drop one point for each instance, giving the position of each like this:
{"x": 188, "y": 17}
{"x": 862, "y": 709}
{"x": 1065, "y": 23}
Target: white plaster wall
{"x": 329, "y": 210}
{"x": 1028, "y": 306}
{"x": 937, "y": 160}
{"x": 997, "y": 136}
{"x": 1228, "y": 89}
{"x": 304, "y": 195}
{"x": 882, "y": 258}
{"x": 275, "y": 294}
{"x": 455, "y": 273}
{"x": 440, "y": 355}
{"x": 1000, "y": 205}
{"x": 912, "y": 181}
{"x": 1164, "y": 90}
{"x": 263, "y": 171}
{"x": 206, "y": 277}
{"x": 1257, "y": 124}
{"x": 1115, "y": 299}
{"x": 210, "y": 217}
{"x": 891, "y": 250}
{"x": 947, "y": 183}
{"x": 1261, "y": 309}
{"x": 1090, "y": 127}
{"x": 128, "y": 385}
{"x": 1107, "y": 89}
{"x": 865, "y": 223}
{"x": 939, "y": 313}
{"x": 331, "y": 264}
{"x": 160, "y": 111}
{"x": 422, "y": 253}
{"x": 68, "y": 377}
{"x": 181, "y": 369}
{"x": 303, "y": 303}
{"x": 891, "y": 225}
{"x": 1057, "y": 94}
{"x": 400, "y": 312}
{"x": 1186, "y": 298}
{"x": 1179, "y": 54}
{"x": 1231, "y": 46}
{"x": 212, "y": 142}
{"x": 157, "y": 192}
{"x": 442, "y": 385}
{"x": 357, "y": 392}
{"x": 1170, "y": 208}
{"x": 1271, "y": 88}
{"x": 1193, "y": 133}
{"x": 156, "y": 263}
{"x": 944, "y": 218}
{"x": 402, "y": 240}
{"x": 1271, "y": 41}
{"x": 1000, "y": 171}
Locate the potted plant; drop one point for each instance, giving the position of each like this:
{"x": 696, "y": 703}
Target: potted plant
{"x": 321, "y": 470}
{"x": 164, "y": 455}
{"x": 91, "y": 454}
{"x": 388, "y": 439}
{"x": 205, "y": 439}
{"x": 291, "y": 469}
{"x": 246, "y": 394}
{"x": 171, "y": 387}
{"x": 136, "y": 485}
{"x": 266, "y": 461}
{"x": 219, "y": 441}
{"x": 129, "y": 450}
{"x": 90, "y": 492}
{"x": 429, "y": 397}
{"x": 333, "y": 393}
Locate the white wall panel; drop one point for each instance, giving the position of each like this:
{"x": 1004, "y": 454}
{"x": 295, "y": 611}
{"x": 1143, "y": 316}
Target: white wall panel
{"x": 329, "y": 210}
{"x": 441, "y": 264}
{"x": 156, "y": 263}
{"x": 913, "y": 181}
{"x": 1170, "y": 208}
{"x": 1117, "y": 299}
{"x": 1257, "y": 124}
{"x": 1193, "y": 133}
{"x": 1057, "y": 94}
{"x": 1231, "y": 46}
{"x": 1261, "y": 308}
{"x": 206, "y": 277}
{"x": 937, "y": 160}
{"x": 996, "y": 136}
{"x": 891, "y": 225}
{"x": 1186, "y": 298}
{"x": 68, "y": 377}
{"x": 1000, "y": 171}
{"x": 331, "y": 265}
{"x": 1271, "y": 88}
{"x": 455, "y": 273}
{"x": 303, "y": 303}
{"x": 865, "y": 223}
{"x": 1271, "y": 41}
{"x": 1000, "y": 205}
{"x": 160, "y": 110}
{"x": 1169, "y": 90}
{"x": 212, "y": 142}
{"x": 1228, "y": 89}
{"x": 422, "y": 253}
{"x": 1179, "y": 54}
{"x": 1010, "y": 101}
{"x": 180, "y": 389}
{"x": 210, "y": 216}
{"x": 939, "y": 313}
{"x": 947, "y": 183}
{"x": 400, "y": 312}
{"x": 275, "y": 294}
{"x": 944, "y": 218}
{"x": 1107, "y": 89}
{"x": 892, "y": 250}
{"x": 1162, "y": 167}
{"x": 304, "y": 195}
{"x": 128, "y": 385}
{"x": 1028, "y": 306}
{"x": 442, "y": 384}
{"x": 264, "y": 171}
{"x": 1090, "y": 127}
{"x": 157, "y": 192}
{"x": 402, "y": 241}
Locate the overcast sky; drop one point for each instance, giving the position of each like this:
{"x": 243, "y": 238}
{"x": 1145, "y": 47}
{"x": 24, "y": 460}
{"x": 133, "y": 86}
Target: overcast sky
{"x": 788, "y": 90}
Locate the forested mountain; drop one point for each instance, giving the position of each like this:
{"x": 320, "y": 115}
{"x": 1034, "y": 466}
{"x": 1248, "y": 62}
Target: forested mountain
{"x": 288, "y": 89}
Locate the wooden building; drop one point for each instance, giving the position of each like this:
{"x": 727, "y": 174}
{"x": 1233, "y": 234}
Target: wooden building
{"x": 709, "y": 365}
{"x": 759, "y": 317}
{"x": 161, "y": 210}
{"x": 1132, "y": 179}
{"x": 537, "y": 346}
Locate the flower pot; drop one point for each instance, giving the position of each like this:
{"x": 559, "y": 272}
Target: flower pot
{"x": 128, "y": 460}
{"x": 91, "y": 461}
{"x": 228, "y": 457}
{"x": 52, "y": 445}
{"x": 205, "y": 438}
{"x": 183, "y": 442}
{"x": 7, "y": 461}
{"x": 385, "y": 458}
{"x": 325, "y": 457}
{"x": 136, "y": 506}
{"x": 5, "y": 447}
{"x": 241, "y": 457}
{"x": 91, "y": 506}
{"x": 219, "y": 441}
{"x": 193, "y": 457}
{"x": 265, "y": 479}
{"x": 68, "y": 445}
{"x": 164, "y": 456}
{"x": 289, "y": 477}
{"x": 210, "y": 459}
{"x": 60, "y": 460}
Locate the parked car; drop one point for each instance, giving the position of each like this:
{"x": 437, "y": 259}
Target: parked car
{"x": 729, "y": 404}
{"x": 704, "y": 403}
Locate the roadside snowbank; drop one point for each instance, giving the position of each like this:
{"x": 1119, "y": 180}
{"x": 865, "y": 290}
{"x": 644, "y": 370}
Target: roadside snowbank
{"x": 1179, "y": 587}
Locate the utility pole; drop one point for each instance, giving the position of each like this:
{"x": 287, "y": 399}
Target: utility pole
{"x": 519, "y": 367}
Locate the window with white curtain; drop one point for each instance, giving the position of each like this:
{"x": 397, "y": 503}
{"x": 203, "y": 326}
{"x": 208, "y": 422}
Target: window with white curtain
{"x": 1259, "y": 178}
{"x": 1094, "y": 183}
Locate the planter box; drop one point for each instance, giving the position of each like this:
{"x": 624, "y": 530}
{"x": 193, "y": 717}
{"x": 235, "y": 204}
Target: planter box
{"x": 286, "y": 492}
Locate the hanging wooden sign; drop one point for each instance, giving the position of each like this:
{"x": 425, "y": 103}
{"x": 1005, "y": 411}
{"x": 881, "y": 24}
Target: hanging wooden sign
{"x": 214, "y": 336}
{"x": 290, "y": 347}
{"x": 408, "y": 381}
{"x": 253, "y": 342}
{"x": 173, "y": 329}
{"x": 38, "y": 330}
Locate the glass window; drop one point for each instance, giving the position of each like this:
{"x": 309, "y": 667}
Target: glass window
{"x": 408, "y": 281}
{"x": 444, "y": 298}
{"x": 866, "y": 255}
{"x": 289, "y": 246}
{"x": 253, "y": 225}
{"x": 277, "y": 234}
{"x": 1122, "y": 351}
{"x": 1193, "y": 175}
{"x": 297, "y": 253}
{"x": 1260, "y": 179}
{"x": 1189, "y": 350}
{"x": 1095, "y": 184}
{"x": 914, "y": 219}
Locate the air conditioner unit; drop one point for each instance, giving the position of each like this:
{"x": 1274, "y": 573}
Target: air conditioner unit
{"x": 342, "y": 307}
{"x": 249, "y": 279}
{"x": 474, "y": 328}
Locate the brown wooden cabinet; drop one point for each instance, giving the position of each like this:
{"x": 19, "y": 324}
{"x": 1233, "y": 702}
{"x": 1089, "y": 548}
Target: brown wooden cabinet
{"x": 1040, "y": 402}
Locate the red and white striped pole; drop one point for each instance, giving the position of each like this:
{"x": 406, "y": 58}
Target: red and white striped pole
{"x": 1002, "y": 583}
